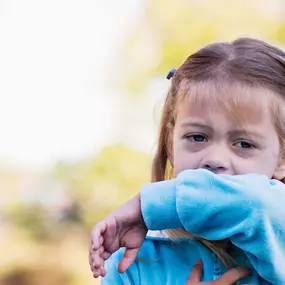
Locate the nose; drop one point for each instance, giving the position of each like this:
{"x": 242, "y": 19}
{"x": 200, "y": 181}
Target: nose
{"x": 217, "y": 160}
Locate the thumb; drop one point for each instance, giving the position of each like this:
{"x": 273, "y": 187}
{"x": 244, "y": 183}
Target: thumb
{"x": 128, "y": 259}
{"x": 233, "y": 275}
{"x": 195, "y": 274}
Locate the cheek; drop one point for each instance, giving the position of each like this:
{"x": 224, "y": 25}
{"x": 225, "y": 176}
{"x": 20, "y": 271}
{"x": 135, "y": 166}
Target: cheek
{"x": 273, "y": 154}
{"x": 266, "y": 163}
{"x": 182, "y": 159}
{"x": 271, "y": 163}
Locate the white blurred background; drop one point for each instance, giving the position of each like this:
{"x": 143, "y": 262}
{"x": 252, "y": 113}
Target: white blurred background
{"x": 82, "y": 84}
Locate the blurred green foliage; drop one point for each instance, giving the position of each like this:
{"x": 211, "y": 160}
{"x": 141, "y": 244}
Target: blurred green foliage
{"x": 105, "y": 181}
{"x": 35, "y": 276}
{"x": 94, "y": 187}
{"x": 32, "y": 219}
{"x": 167, "y": 32}
{"x": 52, "y": 242}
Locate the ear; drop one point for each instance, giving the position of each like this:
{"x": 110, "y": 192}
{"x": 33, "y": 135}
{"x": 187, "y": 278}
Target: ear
{"x": 279, "y": 172}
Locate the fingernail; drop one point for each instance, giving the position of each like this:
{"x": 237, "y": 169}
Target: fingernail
{"x": 199, "y": 262}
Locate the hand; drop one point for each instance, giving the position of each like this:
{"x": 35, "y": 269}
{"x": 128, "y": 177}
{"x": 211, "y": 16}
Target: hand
{"x": 228, "y": 278}
{"x": 124, "y": 227}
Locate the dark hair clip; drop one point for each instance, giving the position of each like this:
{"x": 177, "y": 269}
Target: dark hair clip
{"x": 171, "y": 73}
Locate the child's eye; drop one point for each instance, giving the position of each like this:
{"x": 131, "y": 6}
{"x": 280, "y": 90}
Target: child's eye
{"x": 197, "y": 138}
{"x": 244, "y": 144}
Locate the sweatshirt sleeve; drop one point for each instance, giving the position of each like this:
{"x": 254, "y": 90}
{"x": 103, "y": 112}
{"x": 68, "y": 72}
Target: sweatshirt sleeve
{"x": 247, "y": 209}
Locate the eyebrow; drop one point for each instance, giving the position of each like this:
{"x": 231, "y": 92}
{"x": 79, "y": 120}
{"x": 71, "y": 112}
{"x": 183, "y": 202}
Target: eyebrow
{"x": 197, "y": 124}
{"x": 240, "y": 132}
{"x": 235, "y": 132}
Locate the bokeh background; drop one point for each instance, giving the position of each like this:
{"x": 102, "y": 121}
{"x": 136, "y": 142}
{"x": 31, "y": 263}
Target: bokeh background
{"x": 81, "y": 89}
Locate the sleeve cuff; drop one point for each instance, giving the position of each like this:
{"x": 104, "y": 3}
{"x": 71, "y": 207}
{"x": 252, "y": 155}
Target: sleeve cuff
{"x": 158, "y": 205}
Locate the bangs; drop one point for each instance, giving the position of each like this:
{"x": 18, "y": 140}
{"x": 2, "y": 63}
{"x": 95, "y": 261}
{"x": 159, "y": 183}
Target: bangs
{"x": 240, "y": 102}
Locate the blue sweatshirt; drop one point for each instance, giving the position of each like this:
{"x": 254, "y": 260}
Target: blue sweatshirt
{"x": 247, "y": 209}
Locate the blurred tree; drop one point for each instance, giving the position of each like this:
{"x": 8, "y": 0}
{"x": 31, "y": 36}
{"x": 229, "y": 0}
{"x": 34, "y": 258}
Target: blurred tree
{"x": 105, "y": 181}
{"x": 169, "y": 31}
{"x": 39, "y": 224}
{"x": 32, "y": 219}
{"x": 35, "y": 276}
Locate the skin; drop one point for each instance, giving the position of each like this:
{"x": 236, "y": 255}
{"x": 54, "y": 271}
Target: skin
{"x": 207, "y": 137}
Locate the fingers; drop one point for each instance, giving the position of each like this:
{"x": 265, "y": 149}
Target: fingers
{"x": 96, "y": 235}
{"x": 195, "y": 274}
{"x": 97, "y": 266}
{"x": 228, "y": 278}
{"x": 97, "y": 257}
{"x": 96, "y": 272}
{"x": 97, "y": 251}
{"x": 101, "y": 245}
{"x": 110, "y": 233}
{"x": 233, "y": 275}
{"x": 99, "y": 272}
{"x": 95, "y": 261}
{"x": 106, "y": 255}
{"x": 128, "y": 258}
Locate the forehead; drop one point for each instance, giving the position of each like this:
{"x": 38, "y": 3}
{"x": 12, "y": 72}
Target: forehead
{"x": 239, "y": 103}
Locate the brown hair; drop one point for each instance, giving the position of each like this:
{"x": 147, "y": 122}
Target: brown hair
{"x": 244, "y": 62}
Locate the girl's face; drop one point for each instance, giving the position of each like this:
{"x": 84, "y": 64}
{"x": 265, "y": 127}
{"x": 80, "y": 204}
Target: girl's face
{"x": 206, "y": 136}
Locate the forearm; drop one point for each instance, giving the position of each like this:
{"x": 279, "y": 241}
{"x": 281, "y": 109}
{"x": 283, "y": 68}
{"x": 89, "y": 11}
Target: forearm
{"x": 246, "y": 209}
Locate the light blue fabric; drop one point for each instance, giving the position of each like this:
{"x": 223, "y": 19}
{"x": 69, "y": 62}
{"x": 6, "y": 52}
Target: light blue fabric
{"x": 247, "y": 209}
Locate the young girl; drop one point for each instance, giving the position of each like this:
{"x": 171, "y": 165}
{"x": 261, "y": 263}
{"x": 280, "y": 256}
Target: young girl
{"x": 217, "y": 194}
